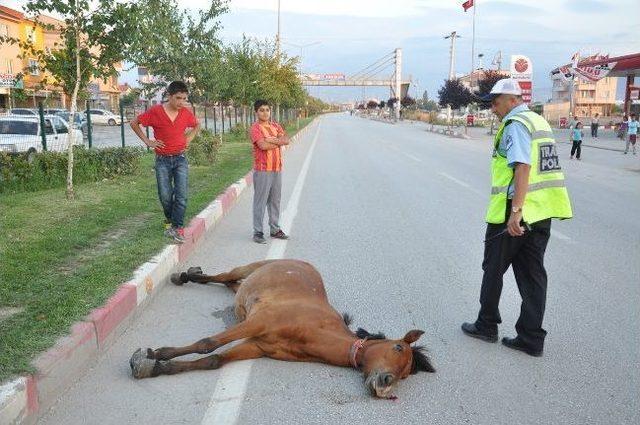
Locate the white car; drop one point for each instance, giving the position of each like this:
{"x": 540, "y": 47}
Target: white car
{"x": 102, "y": 116}
{"x": 23, "y": 134}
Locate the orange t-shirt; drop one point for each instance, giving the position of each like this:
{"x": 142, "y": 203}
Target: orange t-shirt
{"x": 270, "y": 160}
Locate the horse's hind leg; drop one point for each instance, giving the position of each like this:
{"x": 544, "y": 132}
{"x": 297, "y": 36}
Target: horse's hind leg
{"x": 230, "y": 279}
{"x": 143, "y": 367}
{"x": 246, "y": 329}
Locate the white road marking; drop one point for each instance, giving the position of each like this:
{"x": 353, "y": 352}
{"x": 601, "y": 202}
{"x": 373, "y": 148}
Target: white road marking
{"x": 397, "y": 149}
{"x": 459, "y": 182}
{"x": 226, "y": 401}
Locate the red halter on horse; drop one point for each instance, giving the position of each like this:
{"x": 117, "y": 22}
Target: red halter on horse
{"x": 284, "y": 314}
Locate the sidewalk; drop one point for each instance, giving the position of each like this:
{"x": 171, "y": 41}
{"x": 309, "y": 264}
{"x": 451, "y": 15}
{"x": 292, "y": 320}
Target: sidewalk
{"x": 607, "y": 139}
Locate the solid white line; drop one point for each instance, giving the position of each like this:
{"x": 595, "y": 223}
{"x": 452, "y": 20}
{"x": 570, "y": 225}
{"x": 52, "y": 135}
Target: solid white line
{"x": 226, "y": 401}
{"x": 408, "y": 155}
{"x": 459, "y": 182}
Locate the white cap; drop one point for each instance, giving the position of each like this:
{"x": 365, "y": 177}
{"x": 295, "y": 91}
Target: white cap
{"x": 504, "y": 86}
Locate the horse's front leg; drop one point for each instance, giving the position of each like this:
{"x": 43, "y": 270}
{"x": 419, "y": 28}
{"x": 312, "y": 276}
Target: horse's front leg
{"x": 242, "y": 330}
{"x": 143, "y": 367}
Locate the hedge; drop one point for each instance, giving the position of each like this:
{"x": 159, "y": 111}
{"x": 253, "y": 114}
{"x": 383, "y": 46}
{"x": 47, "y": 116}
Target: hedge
{"x": 49, "y": 169}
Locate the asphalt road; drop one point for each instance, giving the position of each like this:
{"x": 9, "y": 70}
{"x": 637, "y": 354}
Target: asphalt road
{"x": 392, "y": 216}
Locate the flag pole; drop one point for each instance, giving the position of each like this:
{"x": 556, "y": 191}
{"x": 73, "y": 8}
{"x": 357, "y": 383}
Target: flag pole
{"x": 473, "y": 44}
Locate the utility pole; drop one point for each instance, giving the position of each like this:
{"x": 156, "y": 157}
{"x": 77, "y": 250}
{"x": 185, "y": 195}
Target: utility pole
{"x": 398, "y": 82}
{"x": 278, "y": 34}
{"x": 452, "y": 55}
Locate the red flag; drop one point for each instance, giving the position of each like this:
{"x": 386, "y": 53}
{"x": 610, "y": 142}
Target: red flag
{"x": 467, "y": 5}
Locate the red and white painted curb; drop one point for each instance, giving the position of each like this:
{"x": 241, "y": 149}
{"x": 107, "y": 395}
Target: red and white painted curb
{"x": 26, "y": 398}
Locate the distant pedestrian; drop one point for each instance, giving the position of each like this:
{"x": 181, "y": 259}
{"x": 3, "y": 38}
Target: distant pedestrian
{"x": 622, "y": 128}
{"x": 595, "y": 123}
{"x": 632, "y": 131}
{"x": 527, "y": 191}
{"x": 576, "y": 138}
{"x": 169, "y": 122}
{"x": 267, "y": 137}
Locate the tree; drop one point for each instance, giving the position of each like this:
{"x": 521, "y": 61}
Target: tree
{"x": 425, "y": 96}
{"x": 372, "y": 104}
{"x": 382, "y": 104}
{"x": 408, "y": 101}
{"x": 173, "y": 45}
{"x": 391, "y": 102}
{"x": 95, "y": 36}
{"x": 454, "y": 94}
{"x": 486, "y": 83}
{"x": 430, "y": 105}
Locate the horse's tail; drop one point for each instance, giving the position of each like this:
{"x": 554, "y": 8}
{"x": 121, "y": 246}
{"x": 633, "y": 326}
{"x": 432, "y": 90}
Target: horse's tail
{"x": 229, "y": 279}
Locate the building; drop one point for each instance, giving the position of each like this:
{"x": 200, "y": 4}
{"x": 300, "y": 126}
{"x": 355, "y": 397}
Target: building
{"x": 36, "y": 86}
{"x": 589, "y": 97}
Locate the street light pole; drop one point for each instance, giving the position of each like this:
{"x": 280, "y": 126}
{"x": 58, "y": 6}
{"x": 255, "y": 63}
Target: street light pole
{"x": 452, "y": 55}
{"x": 278, "y": 34}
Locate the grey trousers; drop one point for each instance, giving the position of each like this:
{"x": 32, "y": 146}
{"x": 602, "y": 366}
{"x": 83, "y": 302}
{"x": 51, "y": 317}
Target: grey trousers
{"x": 267, "y": 188}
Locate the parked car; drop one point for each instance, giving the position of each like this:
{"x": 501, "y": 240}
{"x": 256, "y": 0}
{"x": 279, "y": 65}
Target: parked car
{"x": 23, "y": 111}
{"x": 23, "y": 134}
{"x": 80, "y": 120}
{"x": 102, "y": 116}
{"x": 53, "y": 111}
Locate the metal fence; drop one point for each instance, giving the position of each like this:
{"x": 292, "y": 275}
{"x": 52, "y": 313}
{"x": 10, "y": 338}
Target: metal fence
{"x": 29, "y": 131}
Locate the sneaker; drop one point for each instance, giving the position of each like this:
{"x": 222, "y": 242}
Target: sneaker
{"x": 259, "y": 238}
{"x": 175, "y": 233}
{"x": 279, "y": 235}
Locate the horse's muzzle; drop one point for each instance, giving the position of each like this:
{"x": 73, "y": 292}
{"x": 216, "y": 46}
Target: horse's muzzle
{"x": 380, "y": 384}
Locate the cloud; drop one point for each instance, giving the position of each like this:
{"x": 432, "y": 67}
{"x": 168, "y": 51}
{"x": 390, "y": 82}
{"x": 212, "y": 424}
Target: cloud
{"x": 587, "y": 6}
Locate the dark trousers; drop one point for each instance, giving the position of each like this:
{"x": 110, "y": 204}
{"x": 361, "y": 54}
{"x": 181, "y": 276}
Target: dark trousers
{"x": 525, "y": 254}
{"x": 172, "y": 175}
{"x": 576, "y": 149}
{"x": 594, "y": 130}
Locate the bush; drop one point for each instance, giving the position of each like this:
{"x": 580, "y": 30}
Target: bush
{"x": 49, "y": 169}
{"x": 203, "y": 149}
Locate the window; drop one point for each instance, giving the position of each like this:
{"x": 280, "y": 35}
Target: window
{"x": 33, "y": 67}
{"x": 96, "y": 112}
{"x": 9, "y": 66}
{"x": 59, "y": 126}
{"x": 31, "y": 35}
{"x": 4, "y": 30}
{"x": 48, "y": 127}
{"x": 18, "y": 127}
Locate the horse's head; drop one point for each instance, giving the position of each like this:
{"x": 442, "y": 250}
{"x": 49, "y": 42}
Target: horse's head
{"x": 385, "y": 362}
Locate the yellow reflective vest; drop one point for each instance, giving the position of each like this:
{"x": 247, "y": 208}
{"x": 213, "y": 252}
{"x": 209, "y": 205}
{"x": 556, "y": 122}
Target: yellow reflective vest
{"x": 547, "y": 196}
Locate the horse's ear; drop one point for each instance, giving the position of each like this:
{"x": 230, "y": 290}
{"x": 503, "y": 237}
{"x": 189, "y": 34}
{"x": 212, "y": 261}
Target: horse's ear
{"x": 412, "y": 336}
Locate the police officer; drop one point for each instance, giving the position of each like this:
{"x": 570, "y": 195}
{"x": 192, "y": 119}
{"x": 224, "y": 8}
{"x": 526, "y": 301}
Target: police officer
{"x": 528, "y": 190}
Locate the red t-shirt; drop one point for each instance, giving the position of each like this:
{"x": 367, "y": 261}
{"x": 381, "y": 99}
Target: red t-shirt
{"x": 166, "y": 131}
{"x": 270, "y": 160}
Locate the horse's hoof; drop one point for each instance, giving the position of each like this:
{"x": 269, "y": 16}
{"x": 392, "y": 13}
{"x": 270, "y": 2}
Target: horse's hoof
{"x": 141, "y": 365}
{"x": 179, "y": 278}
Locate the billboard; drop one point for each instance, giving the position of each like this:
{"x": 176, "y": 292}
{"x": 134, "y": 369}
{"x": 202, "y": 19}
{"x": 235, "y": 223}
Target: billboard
{"x": 522, "y": 70}
{"x": 7, "y": 80}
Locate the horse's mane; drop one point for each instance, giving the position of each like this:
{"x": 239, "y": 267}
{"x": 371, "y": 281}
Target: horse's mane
{"x": 361, "y": 333}
{"x": 421, "y": 362}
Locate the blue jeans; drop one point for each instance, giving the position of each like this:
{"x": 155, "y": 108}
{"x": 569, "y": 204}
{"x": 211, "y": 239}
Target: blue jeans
{"x": 172, "y": 174}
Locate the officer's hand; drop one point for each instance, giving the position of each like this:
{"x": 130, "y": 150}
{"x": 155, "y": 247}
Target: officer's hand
{"x": 513, "y": 225}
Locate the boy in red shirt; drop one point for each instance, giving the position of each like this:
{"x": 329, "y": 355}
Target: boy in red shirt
{"x": 267, "y": 137}
{"x": 169, "y": 122}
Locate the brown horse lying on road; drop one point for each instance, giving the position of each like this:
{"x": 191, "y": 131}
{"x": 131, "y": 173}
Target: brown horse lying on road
{"x": 284, "y": 314}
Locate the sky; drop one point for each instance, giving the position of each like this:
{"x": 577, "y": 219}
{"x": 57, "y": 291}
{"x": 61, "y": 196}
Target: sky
{"x": 346, "y": 36}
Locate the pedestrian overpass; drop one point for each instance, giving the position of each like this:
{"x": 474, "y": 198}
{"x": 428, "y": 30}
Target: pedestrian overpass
{"x": 369, "y": 76}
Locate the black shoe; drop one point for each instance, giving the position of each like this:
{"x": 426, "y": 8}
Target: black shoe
{"x": 259, "y": 238}
{"x": 279, "y": 235}
{"x": 472, "y": 330}
{"x": 517, "y": 344}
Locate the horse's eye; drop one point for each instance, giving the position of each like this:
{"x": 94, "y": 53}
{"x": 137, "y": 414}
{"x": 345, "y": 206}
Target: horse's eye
{"x": 397, "y": 347}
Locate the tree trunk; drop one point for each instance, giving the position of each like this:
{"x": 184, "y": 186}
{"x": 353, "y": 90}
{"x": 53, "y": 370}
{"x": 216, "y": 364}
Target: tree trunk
{"x": 72, "y": 125}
